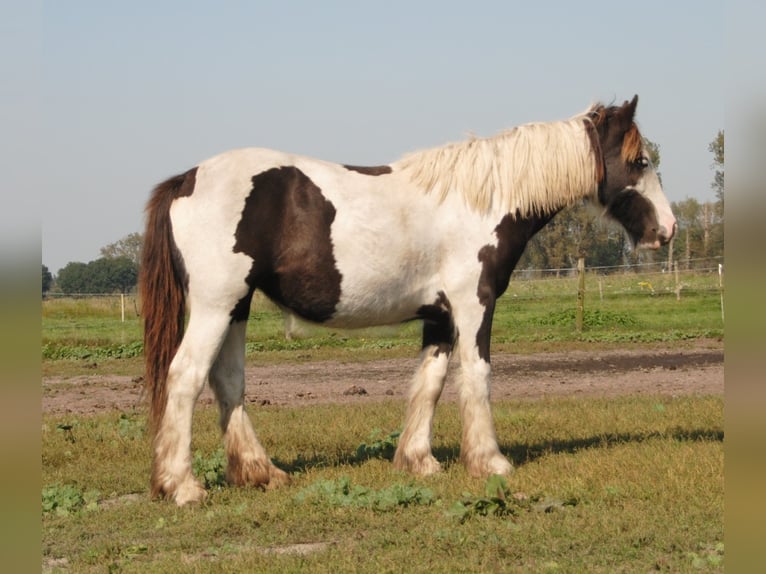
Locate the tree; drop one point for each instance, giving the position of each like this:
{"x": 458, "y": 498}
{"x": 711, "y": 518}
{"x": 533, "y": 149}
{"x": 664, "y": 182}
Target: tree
{"x": 653, "y": 149}
{"x": 73, "y": 278}
{"x": 129, "y": 246}
{"x": 716, "y": 147}
{"x": 47, "y": 280}
{"x": 103, "y": 275}
{"x": 118, "y": 274}
{"x": 716, "y": 230}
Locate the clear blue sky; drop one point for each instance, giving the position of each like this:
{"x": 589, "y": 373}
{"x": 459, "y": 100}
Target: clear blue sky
{"x": 133, "y": 92}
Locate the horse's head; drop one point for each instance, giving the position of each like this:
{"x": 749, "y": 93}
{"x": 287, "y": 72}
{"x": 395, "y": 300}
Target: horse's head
{"x": 629, "y": 189}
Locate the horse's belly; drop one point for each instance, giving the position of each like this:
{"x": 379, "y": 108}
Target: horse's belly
{"x": 383, "y": 303}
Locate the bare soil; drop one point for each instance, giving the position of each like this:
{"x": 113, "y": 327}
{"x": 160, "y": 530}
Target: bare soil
{"x": 697, "y": 369}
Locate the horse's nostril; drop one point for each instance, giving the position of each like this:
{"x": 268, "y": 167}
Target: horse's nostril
{"x": 664, "y": 236}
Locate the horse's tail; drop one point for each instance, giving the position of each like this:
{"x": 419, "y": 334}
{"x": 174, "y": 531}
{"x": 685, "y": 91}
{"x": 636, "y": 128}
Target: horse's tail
{"x": 162, "y": 283}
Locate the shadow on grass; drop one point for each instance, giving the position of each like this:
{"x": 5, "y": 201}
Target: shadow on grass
{"x": 518, "y": 453}
{"x": 521, "y": 454}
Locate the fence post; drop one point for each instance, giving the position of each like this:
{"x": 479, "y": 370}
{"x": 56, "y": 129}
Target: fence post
{"x": 678, "y": 282}
{"x": 720, "y": 286}
{"x": 600, "y": 289}
{"x": 580, "y": 294}
{"x": 122, "y": 306}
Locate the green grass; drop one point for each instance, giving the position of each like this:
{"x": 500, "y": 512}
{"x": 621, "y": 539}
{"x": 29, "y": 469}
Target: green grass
{"x": 633, "y": 484}
{"x": 533, "y": 314}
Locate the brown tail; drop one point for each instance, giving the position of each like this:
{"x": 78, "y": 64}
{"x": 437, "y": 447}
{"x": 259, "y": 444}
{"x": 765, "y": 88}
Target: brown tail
{"x": 162, "y": 282}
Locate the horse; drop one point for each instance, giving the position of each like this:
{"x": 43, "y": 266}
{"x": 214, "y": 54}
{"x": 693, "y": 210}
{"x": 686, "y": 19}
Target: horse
{"x": 433, "y": 237}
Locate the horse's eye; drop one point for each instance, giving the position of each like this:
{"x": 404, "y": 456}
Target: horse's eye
{"x": 642, "y": 162}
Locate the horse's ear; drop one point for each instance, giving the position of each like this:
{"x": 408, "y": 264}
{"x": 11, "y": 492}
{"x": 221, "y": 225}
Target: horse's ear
{"x": 627, "y": 111}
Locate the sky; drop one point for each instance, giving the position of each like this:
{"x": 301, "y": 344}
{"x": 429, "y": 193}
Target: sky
{"x": 126, "y": 94}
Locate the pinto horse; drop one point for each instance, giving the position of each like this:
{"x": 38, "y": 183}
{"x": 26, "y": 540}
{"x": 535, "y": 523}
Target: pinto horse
{"x": 433, "y": 236}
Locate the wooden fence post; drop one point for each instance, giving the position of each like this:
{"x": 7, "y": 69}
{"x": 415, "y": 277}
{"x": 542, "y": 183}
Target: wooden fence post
{"x": 580, "y": 294}
{"x": 720, "y": 286}
{"x": 600, "y": 289}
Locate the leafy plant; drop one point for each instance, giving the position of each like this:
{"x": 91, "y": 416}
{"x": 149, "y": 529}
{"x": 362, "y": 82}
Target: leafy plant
{"x": 709, "y": 556}
{"x": 378, "y": 447}
{"x": 129, "y": 428}
{"x": 591, "y": 318}
{"x": 494, "y": 503}
{"x": 66, "y": 499}
{"x": 341, "y": 492}
{"x": 56, "y": 351}
{"x": 211, "y": 469}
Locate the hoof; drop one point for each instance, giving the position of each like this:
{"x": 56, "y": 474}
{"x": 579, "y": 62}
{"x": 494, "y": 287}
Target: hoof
{"x": 255, "y": 473}
{"x": 190, "y": 491}
{"x": 187, "y": 490}
{"x": 419, "y": 465}
{"x": 496, "y": 464}
{"x": 277, "y": 477}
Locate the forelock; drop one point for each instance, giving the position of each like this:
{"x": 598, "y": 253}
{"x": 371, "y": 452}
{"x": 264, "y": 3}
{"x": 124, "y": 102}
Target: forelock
{"x": 632, "y": 144}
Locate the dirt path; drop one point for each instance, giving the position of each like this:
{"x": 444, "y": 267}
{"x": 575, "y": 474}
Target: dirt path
{"x": 697, "y": 370}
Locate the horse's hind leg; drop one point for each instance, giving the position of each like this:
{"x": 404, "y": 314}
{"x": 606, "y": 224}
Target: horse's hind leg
{"x": 413, "y": 452}
{"x": 248, "y": 463}
{"x": 171, "y": 470}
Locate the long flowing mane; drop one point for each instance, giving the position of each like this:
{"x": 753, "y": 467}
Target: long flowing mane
{"x": 530, "y": 169}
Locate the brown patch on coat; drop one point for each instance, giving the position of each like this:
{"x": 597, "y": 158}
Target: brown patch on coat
{"x": 438, "y": 325}
{"x": 370, "y": 170}
{"x": 498, "y": 262}
{"x": 286, "y": 229}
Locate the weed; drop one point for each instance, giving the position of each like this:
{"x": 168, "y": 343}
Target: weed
{"x": 707, "y": 556}
{"x": 129, "y": 427}
{"x": 341, "y": 492}
{"x": 497, "y": 501}
{"x": 378, "y": 447}
{"x": 56, "y": 351}
{"x": 66, "y": 499}
{"x": 596, "y": 318}
{"x": 211, "y": 469}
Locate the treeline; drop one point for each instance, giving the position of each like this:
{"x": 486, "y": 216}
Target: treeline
{"x": 116, "y": 271}
{"x": 103, "y": 275}
{"x": 577, "y": 233}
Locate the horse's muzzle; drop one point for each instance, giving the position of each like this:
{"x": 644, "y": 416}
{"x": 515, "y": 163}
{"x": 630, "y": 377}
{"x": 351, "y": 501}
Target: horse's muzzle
{"x": 664, "y": 236}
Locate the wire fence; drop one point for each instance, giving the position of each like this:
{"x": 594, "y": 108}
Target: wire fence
{"x": 685, "y": 279}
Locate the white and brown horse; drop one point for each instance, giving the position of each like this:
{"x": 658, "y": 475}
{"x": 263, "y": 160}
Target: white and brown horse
{"x": 433, "y": 236}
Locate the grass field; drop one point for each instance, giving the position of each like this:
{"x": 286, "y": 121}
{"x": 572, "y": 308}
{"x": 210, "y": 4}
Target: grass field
{"x": 625, "y": 485}
{"x": 533, "y": 314}
{"x": 632, "y": 484}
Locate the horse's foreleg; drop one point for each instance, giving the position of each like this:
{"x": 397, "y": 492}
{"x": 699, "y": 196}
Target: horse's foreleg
{"x": 479, "y": 451}
{"x": 413, "y": 452}
{"x": 248, "y": 463}
{"x": 171, "y": 469}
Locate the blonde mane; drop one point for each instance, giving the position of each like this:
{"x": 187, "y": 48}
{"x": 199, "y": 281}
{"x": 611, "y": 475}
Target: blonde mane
{"x": 532, "y": 169}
